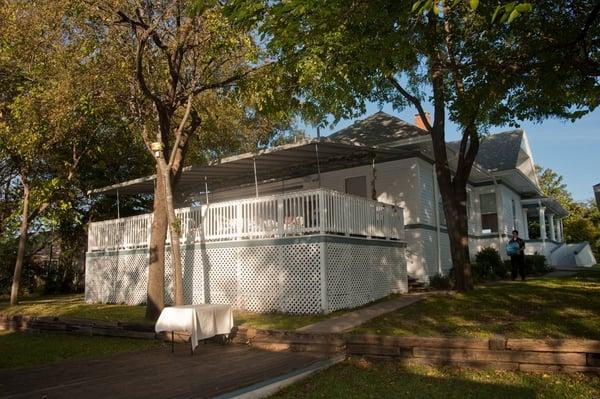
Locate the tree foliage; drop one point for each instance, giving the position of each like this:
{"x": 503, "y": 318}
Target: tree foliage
{"x": 335, "y": 56}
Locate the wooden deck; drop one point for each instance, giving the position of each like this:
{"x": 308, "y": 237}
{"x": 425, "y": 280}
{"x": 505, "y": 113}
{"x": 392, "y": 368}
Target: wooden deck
{"x": 213, "y": 370}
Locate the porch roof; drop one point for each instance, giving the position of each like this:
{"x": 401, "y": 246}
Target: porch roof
{"x": 281, "y": 162}
{"x": 553, "y": 206}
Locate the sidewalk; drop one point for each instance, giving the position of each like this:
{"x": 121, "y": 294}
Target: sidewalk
{"x": 355, "y": 318}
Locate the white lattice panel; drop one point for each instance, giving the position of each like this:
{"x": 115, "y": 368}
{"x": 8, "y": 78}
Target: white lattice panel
{"x": 132, "y": 279}
{"x": 221, "y": 265}
{"x": 260, "y": 279}
{"x": 301, "y": 279}
{"x": 358, "y": 274}
{"x": 266, "y": 278}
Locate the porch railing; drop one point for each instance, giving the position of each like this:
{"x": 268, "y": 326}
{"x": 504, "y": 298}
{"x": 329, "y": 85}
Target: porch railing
{"x": 283, "y": 215}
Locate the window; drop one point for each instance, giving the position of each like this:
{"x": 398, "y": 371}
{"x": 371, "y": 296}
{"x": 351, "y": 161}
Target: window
{"x": 357, "y": 186}
{"x": 489, "y": 213}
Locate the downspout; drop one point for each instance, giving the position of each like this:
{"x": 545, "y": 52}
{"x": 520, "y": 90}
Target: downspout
{"x": 317, "y": 154}
{"x": 206, "y": 189}
{"x": 255, "y": 177}
{"x": 118, "y": 206}
{"x": 437, "y": 220}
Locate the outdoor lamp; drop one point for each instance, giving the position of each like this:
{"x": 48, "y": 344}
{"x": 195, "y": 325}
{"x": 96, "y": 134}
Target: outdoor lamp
{"x": 157, "y": 147}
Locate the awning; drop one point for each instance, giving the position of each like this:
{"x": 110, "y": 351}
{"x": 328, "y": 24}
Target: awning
{"x": 277, "y": 163}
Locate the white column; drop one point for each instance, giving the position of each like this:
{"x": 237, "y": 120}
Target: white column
{"x": 552, "y": 227}
{"x": 560, "y": 230}
{"x": 542, "y": 213}
{"x": 525, "y": 225}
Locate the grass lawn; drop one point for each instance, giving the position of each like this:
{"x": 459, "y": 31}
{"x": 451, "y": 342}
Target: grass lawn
{"x": 541, "y": 308}
{"x": 360, "y": 378}
{"x": 74, "y": 306}
{"x": 26, "y": 350}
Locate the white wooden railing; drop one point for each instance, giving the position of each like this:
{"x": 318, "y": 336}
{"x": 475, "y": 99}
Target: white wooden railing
{"x": 319, "y": 211}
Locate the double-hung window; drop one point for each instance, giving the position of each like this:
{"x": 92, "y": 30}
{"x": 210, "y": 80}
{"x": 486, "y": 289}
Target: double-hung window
{"x": 489, "y": 213}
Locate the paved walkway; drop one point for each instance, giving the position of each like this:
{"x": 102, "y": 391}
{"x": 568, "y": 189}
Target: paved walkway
{"x": 564, "y": 271}
{"x": 353, "y": 319}
{"x": 157, "y": 373}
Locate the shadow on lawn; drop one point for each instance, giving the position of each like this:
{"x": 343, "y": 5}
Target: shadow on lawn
{"x": 361, "y": 378}
{"x": 538, "y": 308}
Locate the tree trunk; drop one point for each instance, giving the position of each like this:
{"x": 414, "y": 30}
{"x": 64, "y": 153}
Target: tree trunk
{"x": 458, "y": 234}
{"x": 14, "y": 292}
{"x": 174, "y": 229}
{"x": 156, "y": 269}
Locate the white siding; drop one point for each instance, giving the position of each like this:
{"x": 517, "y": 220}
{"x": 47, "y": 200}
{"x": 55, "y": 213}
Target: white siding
{"x": 421, "y": 257}
{"x": 395, "y": 184}
{"x": 507, "y": 197}
{"x": 426, "y": 192}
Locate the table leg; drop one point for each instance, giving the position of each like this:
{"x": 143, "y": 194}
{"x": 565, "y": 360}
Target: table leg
{"x": 172, "y": 342}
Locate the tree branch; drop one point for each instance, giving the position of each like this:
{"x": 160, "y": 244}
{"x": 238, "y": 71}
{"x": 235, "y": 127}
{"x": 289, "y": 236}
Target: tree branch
{"x": 414, "y": 100}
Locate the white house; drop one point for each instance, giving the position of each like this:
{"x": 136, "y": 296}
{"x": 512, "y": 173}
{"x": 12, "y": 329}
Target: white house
{"x": 328, "y": 223}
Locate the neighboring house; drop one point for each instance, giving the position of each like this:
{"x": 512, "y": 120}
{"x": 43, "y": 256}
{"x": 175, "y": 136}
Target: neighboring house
{"x": 329, "y": 223}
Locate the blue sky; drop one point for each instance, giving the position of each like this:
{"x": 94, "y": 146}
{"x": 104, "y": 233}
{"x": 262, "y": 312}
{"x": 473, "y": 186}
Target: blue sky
{"x": 572, "y": 149}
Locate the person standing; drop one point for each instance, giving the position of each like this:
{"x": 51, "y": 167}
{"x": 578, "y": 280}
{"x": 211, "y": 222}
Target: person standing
{"x": 516, "y": 251}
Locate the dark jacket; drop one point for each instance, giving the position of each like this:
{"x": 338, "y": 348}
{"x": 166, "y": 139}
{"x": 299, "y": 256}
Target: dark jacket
{"x": 521, "y": 246}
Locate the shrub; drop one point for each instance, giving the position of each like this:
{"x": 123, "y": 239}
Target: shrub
{"x": 440, "y": 282}
{"x": 488, "y": 265}
{"x": 536, "y": 264}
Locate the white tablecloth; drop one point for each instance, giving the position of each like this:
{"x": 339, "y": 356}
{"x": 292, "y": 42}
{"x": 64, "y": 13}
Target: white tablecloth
{"x": 201, "y": 321}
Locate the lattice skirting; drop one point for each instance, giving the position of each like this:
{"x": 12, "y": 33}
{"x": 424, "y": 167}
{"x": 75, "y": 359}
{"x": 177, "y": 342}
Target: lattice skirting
{"x": 301, "y": 275}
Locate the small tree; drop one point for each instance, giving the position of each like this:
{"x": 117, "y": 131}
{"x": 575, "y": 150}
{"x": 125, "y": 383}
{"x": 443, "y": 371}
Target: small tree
{"x": 186, "y": 58}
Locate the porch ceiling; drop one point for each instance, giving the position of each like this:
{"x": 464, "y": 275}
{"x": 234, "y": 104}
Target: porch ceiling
{"x": 282, "y": 162}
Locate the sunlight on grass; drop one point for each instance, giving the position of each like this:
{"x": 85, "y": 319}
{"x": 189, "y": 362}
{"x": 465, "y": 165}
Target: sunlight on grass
{"x": 543, "y": 308}
{"x": 361, "y": 378}
{"x": 74, "y": 306}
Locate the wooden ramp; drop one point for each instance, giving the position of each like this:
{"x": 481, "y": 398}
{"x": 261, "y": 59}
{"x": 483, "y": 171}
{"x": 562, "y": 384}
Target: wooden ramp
{"x": 213, "y": 370}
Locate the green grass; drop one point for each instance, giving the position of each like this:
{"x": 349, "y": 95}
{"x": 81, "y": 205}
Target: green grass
{"x": 360, "y": 378}
{"x": 74, "y": 306}
{"x": 275, "y": 321}
{"x": 25, "y": 350}
{"x": 541, "y": 308}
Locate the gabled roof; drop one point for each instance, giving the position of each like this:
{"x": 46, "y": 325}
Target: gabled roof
{"x": 499, "y": 151}
{"x": 379, "y": 128}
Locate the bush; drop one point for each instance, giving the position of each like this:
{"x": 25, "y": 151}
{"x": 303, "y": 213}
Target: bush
{"x": 440, "y": 282}
{"x": 488, "y": 265}
{"x": 536, "y": 264}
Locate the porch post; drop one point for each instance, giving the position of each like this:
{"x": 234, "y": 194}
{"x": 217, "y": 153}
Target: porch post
{"x": 562, "y": 231}
{"x": 525, "y": 225}
{"x": 559, "y": 235}
{"x": 542, "y": 213}
{"x": 552, "y": 227}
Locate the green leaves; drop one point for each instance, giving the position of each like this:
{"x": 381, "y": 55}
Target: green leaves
{"x": 474, "y": 4}
{"x": 511, "y": 11}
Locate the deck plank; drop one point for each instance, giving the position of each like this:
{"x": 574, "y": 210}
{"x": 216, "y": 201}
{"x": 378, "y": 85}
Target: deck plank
{"x": 213, "y": 370}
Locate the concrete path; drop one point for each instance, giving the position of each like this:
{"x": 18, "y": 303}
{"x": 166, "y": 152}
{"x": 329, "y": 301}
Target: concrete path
{"x": 564, "y": 271}
{"x": 353, "y": 319}
{"x": 213, "y": 370}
